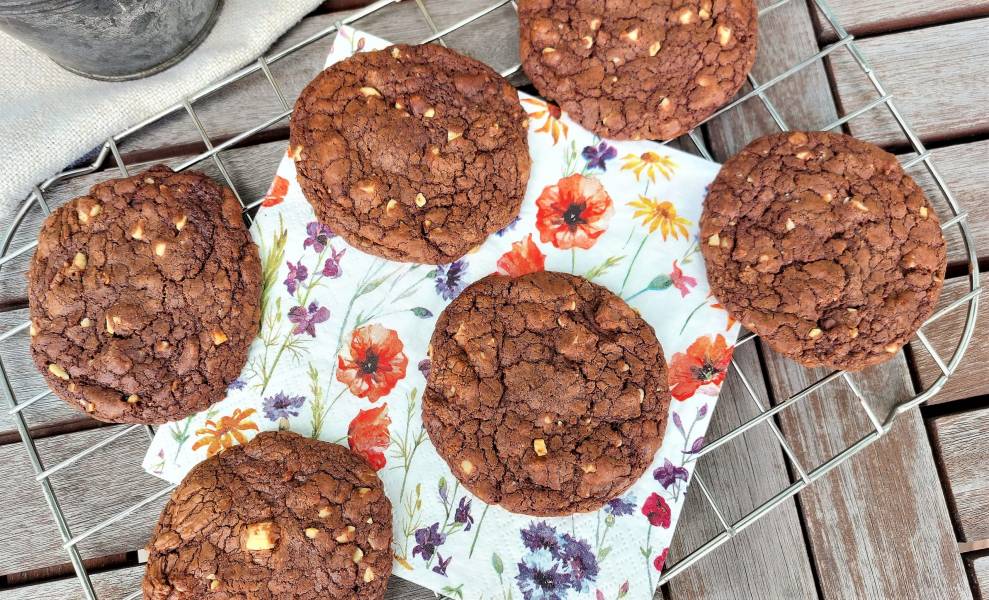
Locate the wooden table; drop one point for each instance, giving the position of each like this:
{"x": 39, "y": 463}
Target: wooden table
{"x": 907, "y": 518}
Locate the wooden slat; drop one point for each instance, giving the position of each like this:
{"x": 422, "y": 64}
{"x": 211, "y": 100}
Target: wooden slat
{"x": 965, "y": 168}
{"x": 878, "y": 526}
{"x": 932, "y": 75}
{"x": 876, "y": 16}
{"x": 94, "y": 489}
{"x": 960, "y": 441}
{"x": 120, "y": 583}
{"x": 979, "y": 568}
{"x": 109, "y": 585}
{"x": 768, "y": 560}
{"x": 972, "y": 376}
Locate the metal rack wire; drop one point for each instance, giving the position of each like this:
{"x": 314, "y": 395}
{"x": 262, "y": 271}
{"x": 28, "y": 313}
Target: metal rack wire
{"x": 766, "y": 411}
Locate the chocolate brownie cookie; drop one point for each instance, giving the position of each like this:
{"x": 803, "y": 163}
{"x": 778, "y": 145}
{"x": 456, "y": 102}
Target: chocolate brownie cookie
{"x": 144, "y": 297}
{"x": 414, "y": 153}
{"x": 638, "y": 69}
{"x": 281, "y": 517}
{"x": 822, "y": 245}
{"x": 547, "y": 394}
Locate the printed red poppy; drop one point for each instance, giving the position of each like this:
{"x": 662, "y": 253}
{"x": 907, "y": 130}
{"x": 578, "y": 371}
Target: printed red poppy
{"x": 525, "y": 257}
{"x": 367, "y": 435}
{"x": 276, "y": 195}
{"x": 657, "y": 511}
{"x": 660, "y": 559}
{"x": 374, "y": 364}
{"x": 704, "y": 364}
{"x": 573, "y": 213}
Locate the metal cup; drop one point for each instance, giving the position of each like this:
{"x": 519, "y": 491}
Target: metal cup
{"x": 112, "y": 40}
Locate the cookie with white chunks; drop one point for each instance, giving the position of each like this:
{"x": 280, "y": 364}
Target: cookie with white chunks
{"x": 144, "y": 297}
{"x": 283, "y": 516}
{"x": 413, "y": 153}
{"x": 638, "y": 69}
{"x": 547, "y": 394}
{"x": 822, "y": 245}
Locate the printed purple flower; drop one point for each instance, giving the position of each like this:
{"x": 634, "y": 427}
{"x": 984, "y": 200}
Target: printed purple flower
{"x": 332, "y": 267}
{"x": 427, "y": 540}
{"x": 620, "y": 507}
{"x": 669, "y": 473}
{"x": 306, "y": 319}
{"x": 281, "y": 406}
{"x": 508, "y": 227}
{"x": 297, "y": 273}
{"x": 463, "y": 515}
{"x": 424, "y": 366}
{"x": 579, "y": 561}
{"x": 317, "y": 235}
{"x": 541, "y": 536}
{"x": 598, "y": 156}
{"x": 237, "y": 384}
{"x": 443, "y": 564}
{"x": 450, "y": 279}
{"x": 539, "y": 577}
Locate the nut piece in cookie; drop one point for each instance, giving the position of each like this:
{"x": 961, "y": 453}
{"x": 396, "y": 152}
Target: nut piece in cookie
{"x": 144, "y": 297}
{"x": 413, "y": 153}
{"x": 638, "y": 69}
{"x": 822, "y": 245}
{"x": 546, "y": 394}
{"x": 279, "y": 517}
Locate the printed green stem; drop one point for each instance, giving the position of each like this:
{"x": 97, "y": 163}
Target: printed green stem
{"x": 691, "y": 315}
{"x": 477, "y": 531}
{"x": 635, "y": 256}
{"x": 637, "y": 294}
{"x": 648, "y": 554}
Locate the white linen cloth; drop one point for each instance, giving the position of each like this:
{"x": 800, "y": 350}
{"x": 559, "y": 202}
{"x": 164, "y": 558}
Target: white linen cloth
{"x": 50, "y": 117}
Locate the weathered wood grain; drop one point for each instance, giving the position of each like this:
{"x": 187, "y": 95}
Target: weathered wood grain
{"x": 878, "y": 525}
{"x": 979, "y": 568}
{"x": 961, "y": 441}
{"x": 931, "y": 74}
{"x": 94, "y": 489}
{"x": 109, "y": 585}
{"x": 972, "y": 376}
{"x": 965, "y": 168}
{"x": 120, "y": 583}
{"x": 876, "y": 16}
{"x": 768, "y": 560}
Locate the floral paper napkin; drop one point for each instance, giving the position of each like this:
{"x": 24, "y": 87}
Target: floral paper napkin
{"x": 327, "y": 306}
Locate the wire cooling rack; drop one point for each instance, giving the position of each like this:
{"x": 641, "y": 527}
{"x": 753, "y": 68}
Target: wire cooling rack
{"x": 766, "y": 411}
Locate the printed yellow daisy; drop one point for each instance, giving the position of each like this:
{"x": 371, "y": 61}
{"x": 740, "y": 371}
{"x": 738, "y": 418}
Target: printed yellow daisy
{"x": 650, "y": 163}
{"x": 660, "y": 215}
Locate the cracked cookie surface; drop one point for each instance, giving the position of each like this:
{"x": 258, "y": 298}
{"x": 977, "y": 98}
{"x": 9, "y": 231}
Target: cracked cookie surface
{"x": 638, "y": 69}
{"x": 546, "y": 394}
{"x": 281, "y": 517}
{"x": 144, "y": 297}
{"x": 412, "y": 153}
{"x": 822, "y": 245}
